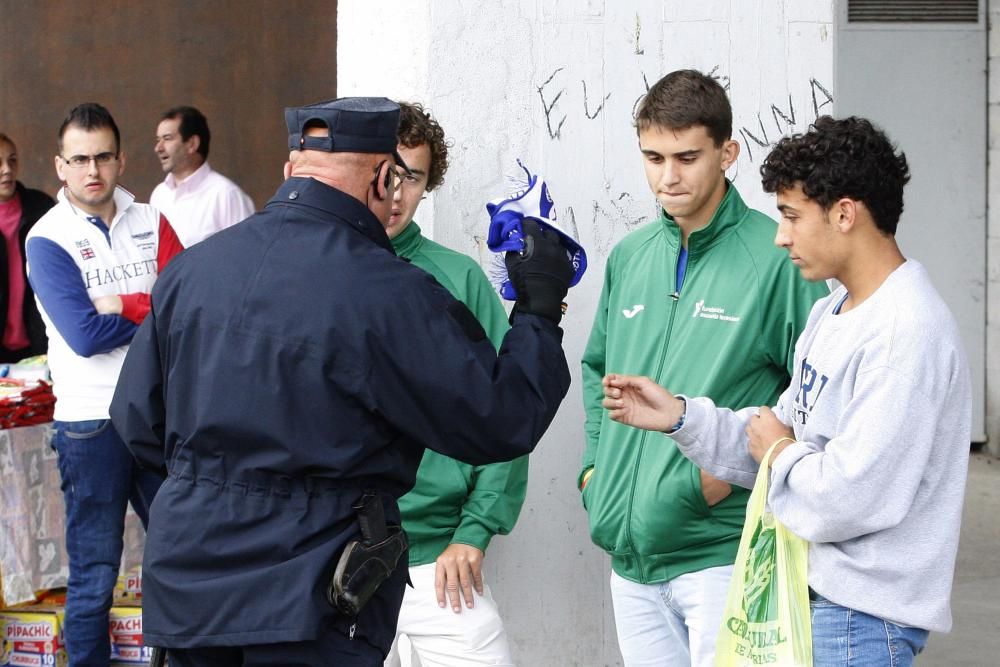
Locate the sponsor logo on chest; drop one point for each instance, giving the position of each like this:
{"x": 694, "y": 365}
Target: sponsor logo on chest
{"x": 713, "y": 313}
{"x": 144, "y": 240}
{"x": 629, "y": 313}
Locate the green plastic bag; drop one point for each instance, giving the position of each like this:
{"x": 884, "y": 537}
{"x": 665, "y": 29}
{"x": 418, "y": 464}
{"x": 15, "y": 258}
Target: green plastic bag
{"x": 767, "y": 620}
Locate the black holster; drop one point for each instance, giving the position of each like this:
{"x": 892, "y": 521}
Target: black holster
{"x": 365, "y": 564}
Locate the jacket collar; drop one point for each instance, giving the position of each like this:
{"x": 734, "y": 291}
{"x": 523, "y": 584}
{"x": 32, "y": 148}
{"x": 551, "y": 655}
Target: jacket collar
{"x": 34, "y": 204}
{"x": 408, "y": 242}
{"x": 340, "y": 206}
{"x": 727, "y": 216}
{"x": 192, "y": 181}
{"x": 123, "y": 200}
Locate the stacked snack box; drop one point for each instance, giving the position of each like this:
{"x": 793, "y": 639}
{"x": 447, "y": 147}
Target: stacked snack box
{"x": 129, "y": 586}
{"x": 126, "y": 636}
{"x": 33, "y": 634}
{"x": 33, "y": 637}
{"x": 126, "y": 620}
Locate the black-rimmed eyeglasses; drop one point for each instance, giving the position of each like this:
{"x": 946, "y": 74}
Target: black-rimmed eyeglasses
{"x": 82, "y": 161}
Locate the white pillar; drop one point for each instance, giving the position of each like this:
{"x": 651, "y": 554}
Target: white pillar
{"x": 554, "y": 82}
{"x": 993, "y": 235}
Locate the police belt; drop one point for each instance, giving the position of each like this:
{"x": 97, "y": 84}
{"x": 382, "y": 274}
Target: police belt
{"x": 258, "y": 483}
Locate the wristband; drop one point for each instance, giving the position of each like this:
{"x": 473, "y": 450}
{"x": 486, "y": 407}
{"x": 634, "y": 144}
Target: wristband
{"x": 680, "y": 422}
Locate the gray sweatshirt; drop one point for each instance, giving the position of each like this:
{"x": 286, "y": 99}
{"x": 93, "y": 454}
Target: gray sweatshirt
{"x": 881, "y": 409}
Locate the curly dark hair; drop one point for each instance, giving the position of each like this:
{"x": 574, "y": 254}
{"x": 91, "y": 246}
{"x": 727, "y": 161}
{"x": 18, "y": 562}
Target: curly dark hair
{"x": 417, "y": 127}
{"x": 686, "y": 98}
{"x": 842, "y": 158}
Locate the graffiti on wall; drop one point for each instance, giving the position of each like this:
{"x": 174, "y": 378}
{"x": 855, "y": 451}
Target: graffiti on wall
{"x": 754, "y": 134}
{"x": 758, "y": 138}
{"x": 608, "y": 219}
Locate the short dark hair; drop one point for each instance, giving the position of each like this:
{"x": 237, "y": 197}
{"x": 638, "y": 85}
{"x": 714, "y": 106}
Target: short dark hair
{"x": 90, "y": 116}
{"x": 686, "y": 98}
{"x": 417, "y": 127}
{"x": 4, "y": 139}
{"x": 193, "y": 122}
{"x": 842, "y": 158}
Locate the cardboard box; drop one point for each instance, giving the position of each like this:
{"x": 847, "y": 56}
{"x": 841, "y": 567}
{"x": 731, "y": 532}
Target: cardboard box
{"x": 129, "y": 586}
{"x": 126, "y": 636}
{"x": 33, "y": 637}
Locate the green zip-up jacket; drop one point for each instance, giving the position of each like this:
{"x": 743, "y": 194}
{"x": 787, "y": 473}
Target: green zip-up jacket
{"x": 729, "y": 334}
{"x": 454, "y": 502}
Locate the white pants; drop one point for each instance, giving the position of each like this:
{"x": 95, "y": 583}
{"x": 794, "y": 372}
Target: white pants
{"x": 673, "y": 623}
{"x": 440, "y": 637}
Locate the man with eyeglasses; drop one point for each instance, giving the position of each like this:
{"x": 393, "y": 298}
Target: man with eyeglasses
{"x": 198, "y": 200}
{"x": 454, "y": 509}
{"x": 288, "y": 379}
{"x": 96, "y": 246}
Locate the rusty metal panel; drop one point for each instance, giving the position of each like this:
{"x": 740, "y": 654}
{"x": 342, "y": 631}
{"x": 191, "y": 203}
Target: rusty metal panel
{"x": 239, "y": 62}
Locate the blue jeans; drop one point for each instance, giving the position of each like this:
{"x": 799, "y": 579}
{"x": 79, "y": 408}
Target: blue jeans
{"x": 99, "y": 477}
{"x": 844, "y": 637}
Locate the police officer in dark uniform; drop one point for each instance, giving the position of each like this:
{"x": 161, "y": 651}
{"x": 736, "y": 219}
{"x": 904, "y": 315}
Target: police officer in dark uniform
{"x": 286, "y": 381}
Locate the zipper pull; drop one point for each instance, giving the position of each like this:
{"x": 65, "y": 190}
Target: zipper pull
{"x": 350, "y": 633}
{"x": 676, "y": 296}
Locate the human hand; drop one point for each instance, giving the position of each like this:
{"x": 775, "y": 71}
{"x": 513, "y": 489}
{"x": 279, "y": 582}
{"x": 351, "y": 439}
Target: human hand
{"x": 108, "y": 305}
{"x": 764, "y": 430}
{"x": 638, "y": 401}
{"x": 459, "y": 567}
{"x": 540, "y": 273}
{"x": 714, "y": 489}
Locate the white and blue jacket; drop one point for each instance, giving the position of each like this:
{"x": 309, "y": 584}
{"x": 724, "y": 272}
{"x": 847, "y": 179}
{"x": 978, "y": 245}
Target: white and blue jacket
{"x": 72, "y": 259}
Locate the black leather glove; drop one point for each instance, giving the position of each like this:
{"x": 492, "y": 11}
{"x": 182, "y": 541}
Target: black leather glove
{"x": 540, "y": 273}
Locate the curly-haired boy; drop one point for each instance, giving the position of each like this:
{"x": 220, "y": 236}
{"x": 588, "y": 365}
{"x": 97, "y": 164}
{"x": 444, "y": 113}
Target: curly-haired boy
{"x": 454, "y": 509}
{"x": 871, "y": 438}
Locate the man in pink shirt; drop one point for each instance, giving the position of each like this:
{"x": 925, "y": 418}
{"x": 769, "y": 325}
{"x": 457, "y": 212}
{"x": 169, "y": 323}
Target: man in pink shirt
{"x": 197, "y": 200}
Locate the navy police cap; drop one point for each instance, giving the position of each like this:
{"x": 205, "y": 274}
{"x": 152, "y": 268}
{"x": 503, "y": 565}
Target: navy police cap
{"x": 356, "y": 125}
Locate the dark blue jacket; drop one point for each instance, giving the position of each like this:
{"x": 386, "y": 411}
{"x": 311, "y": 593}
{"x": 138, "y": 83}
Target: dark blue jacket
{"x": 290, "y": 362}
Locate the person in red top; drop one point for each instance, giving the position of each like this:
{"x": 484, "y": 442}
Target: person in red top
{"x": 23, "y": 332}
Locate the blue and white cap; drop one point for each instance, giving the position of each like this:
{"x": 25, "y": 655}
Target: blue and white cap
{"x": 530, "y": 199}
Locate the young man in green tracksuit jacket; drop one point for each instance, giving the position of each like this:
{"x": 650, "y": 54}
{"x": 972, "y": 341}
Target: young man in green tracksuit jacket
{"x": 454, "y": 509}
{"x": 700, "y": 300}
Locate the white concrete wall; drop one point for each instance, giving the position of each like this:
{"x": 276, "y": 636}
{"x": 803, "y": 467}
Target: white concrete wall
{"x": 993, "y": 233}
{"x": 555, "y": 83}
{"x": 383, "y": 50}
